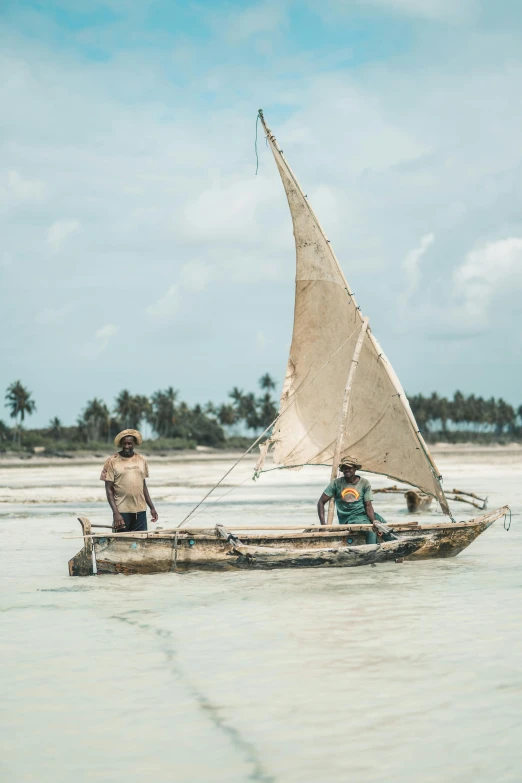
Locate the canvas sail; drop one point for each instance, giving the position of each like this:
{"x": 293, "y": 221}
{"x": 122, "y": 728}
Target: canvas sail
{"x": 380, "y": 428}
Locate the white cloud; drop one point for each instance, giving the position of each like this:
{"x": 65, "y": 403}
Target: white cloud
{"x": 167, "y": 307}
{"x": 101, "y": 341}
{"x": 104, "y": 335}
{"x": 193, "y": 278}
{"x": 411, "y": 268}
{"x": 25, "y": 189}
{"x": 487, "y": 271}
{"x": 442, "y": 10}
{"x": 225, "y": 209}
{"x": 59, "y": 232}
{"x": 258, "y": 19}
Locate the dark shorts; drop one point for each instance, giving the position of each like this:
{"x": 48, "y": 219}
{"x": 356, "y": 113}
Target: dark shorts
{"x": 136, "y": 521}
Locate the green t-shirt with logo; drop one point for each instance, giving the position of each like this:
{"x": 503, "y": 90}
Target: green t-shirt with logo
{"x": 350, "y": 499}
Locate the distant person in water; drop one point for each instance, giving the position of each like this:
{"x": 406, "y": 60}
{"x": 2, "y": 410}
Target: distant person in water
{"x": 124, "y": 475}
{"x": 353, "y": 498}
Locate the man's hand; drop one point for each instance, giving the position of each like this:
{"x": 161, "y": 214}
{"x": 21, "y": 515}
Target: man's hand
{"x": 118, "y": 522}
{"x": 154, "y": 515}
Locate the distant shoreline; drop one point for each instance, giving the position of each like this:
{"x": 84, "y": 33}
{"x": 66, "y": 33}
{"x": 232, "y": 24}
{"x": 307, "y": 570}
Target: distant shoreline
{"x": 207, "y": 454}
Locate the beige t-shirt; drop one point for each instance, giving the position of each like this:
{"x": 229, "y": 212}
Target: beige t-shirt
{"x": 128, "y": 474}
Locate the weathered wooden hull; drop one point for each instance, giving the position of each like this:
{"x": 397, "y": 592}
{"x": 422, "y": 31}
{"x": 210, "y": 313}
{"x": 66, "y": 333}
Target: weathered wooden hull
{"x": 452, "y": 539}
{"x": 159, "y": 556}
{"x": 338, "y": 546}
{"x": 256, "y": 557}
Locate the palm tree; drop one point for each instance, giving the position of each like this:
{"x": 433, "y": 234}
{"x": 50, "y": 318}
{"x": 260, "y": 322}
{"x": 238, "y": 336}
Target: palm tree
{"x": 250, "y": 411}
{"x": 267, "y": 382}
{"x": 267, "y": 410}
{"x": 236, "y": 395}
{"x": 226, "y": 415}
{"x": 420, "y": 406}
{"x": 140, "y": 409}
{"x": 505, "y": 417}
{"x": 123, "y": 407}
{"x": 210, "y": 409}
{"x": 131, "y": 409}
{"x": 5, "y": 432}
{"x": 95, "y": 419}
{"x": 20, "y": 402}
{"x": 444, "y": 412}
{"x": 457, "y": 408}
{"x": 162, "y": 412}
{"x": 238, "y": 403}
{"x": 55, "y": 428}
{"x": 491, "y": 412}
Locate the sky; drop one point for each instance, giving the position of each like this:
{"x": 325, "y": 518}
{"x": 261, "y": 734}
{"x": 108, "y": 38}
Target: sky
{"x": 138, "y": 248}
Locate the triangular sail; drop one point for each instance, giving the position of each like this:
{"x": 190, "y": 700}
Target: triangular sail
{"x": 380, "y": 428}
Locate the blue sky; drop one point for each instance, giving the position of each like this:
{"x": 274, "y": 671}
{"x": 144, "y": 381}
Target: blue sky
{"x": 138, "y": 248}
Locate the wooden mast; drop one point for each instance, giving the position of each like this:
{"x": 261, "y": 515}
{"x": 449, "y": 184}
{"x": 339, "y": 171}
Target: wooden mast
{"x": 344, "y": 411}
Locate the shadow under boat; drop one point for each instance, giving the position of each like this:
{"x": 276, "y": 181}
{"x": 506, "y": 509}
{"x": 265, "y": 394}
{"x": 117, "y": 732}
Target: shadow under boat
{"x": 162, "y": 551}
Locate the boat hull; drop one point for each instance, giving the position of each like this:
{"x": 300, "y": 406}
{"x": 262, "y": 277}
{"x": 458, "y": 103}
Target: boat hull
{"x": 167, "y": 551}
{"x": 160, "y": 557}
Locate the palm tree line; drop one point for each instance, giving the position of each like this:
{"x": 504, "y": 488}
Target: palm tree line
{"x": 167, "y": 415}
{"x": 459, "y": 418}
{"x": 463, "y": 415}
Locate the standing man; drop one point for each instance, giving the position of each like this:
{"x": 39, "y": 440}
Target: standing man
{"x": 124, "y": 475}
{"x": 353, "y": 498}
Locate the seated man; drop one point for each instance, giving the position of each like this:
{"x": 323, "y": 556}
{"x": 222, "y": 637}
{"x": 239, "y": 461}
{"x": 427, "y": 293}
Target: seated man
{"x": 124, "y": 475}
{"x": 353, "y": 498}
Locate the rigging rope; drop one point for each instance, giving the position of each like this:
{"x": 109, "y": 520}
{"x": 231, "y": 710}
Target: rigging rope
{"x": 291, "y": 467}
{"x": 228, "y": 472}
{"x": 255, "y": 145}
{"x": 209, "y": 505}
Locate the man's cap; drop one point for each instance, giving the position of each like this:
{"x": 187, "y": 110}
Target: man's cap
{"x": 351, "y": 461}
{"x": 135, "y": 434}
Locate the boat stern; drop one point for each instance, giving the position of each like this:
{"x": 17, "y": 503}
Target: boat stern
{"x": 82, "y": 563}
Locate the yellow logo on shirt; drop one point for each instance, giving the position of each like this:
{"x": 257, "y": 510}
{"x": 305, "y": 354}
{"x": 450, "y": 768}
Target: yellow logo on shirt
{"x": 350, "y": 494}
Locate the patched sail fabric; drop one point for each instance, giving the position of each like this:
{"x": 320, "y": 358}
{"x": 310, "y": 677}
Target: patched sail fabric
{"x": 380, "y": 428}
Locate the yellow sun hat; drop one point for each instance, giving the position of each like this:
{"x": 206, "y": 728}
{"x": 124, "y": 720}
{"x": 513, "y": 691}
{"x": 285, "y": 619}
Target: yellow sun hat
{"x": 135, "y": 434}
{"x": 352, "y": 461}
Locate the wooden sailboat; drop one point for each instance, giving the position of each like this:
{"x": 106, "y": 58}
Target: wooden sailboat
{"x": 160, "y": 551}
{"x": 340, "y": 395}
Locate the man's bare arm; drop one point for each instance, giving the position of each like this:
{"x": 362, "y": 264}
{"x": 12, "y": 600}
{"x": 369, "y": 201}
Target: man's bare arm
{"x": 149, "y": 502}
{"x": 370, "y": 513}
{"x": 321, "y": 503}
{"x": 116, "y": 516}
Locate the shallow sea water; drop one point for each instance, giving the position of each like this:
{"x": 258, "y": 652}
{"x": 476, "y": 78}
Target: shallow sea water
{"x": 405, "y": 673}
